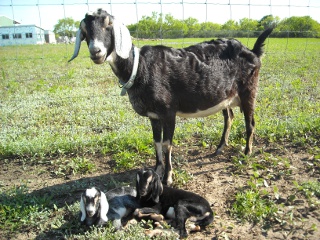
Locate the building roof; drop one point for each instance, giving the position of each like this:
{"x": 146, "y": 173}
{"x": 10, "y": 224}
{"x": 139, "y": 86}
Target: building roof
{"x": 21, "y": 26}
{"x": 5, "y": 21}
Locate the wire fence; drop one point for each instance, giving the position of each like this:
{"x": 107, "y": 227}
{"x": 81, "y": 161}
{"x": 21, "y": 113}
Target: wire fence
{"x": 27, "y": 69}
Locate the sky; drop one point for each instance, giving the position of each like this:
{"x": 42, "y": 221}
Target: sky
{"x": 46, "y": 13}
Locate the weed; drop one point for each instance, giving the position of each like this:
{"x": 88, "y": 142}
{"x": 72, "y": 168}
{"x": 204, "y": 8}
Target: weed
{"x": 65, "y": 167}
{"x": 126, "y": 160}
{"x": 181, "y": 177}
{"x": 251, "y": 206}
{"x": 19, "y": 208}
{"x": 311, "y": 190}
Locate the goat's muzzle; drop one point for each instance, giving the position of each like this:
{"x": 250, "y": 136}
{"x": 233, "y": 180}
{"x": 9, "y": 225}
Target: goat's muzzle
{"x": 143, "y": 193}
{"x": 98, "y": 52}
{"x": 90, "y": 212}
{"x": 98, "y": 60}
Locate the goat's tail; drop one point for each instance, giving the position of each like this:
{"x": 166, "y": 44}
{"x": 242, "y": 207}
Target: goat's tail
{"x": 204, "y": 220}
{"x": 258, "y": 46}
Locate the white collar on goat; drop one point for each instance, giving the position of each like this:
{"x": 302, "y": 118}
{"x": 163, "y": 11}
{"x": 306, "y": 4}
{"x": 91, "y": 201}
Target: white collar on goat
{"x": 127, "y": 85}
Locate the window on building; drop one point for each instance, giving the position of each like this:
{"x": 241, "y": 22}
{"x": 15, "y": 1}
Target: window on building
{"x": 5, "y": 36}
{"x": 28, "y": 35}
{"x": 17, "y": 35}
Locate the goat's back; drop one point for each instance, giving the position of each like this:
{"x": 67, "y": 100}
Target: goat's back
{"x": 121, "y": 191}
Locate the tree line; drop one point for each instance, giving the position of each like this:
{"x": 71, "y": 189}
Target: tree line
{"x": 159, "y": 26}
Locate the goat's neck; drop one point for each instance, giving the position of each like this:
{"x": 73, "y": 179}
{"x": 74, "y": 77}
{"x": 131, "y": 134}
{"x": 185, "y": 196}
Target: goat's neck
{"x": 122, "y": 68}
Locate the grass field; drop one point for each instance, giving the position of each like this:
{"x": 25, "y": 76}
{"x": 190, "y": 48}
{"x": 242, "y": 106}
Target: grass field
{"x": 66, "y": 121}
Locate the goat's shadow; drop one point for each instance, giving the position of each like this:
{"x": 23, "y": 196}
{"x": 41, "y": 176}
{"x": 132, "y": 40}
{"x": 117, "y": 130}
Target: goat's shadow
{"x": 65, "y": 195}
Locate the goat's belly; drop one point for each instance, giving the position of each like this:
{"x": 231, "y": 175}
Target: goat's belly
{"x": 228, "y": 103}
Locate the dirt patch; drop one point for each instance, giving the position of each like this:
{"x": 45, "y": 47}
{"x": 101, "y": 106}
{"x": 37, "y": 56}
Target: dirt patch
{"x": 214, "y": 177}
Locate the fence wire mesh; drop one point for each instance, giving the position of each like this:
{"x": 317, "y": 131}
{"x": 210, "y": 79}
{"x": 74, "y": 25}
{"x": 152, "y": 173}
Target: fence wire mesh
{"x": 39, "y": 87}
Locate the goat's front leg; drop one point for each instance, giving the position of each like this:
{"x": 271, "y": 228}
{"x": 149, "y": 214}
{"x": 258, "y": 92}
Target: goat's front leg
{"x": 157, "y": 138}
{"x": 228, "y": 117}
{"x": 168, "y": 131}
{"x": 182, "y": 214}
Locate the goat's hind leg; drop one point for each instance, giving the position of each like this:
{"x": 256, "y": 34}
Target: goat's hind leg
{"x": 228, "y": 118}
{"x": 248, "y": 112}
{"x": 250, "y": 125}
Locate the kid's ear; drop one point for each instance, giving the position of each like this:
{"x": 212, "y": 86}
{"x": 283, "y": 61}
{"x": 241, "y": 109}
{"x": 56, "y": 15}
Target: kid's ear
{"x": 83, "y": 209}
{"x": 104, "y": 207}
{"x": 157, "y": 188}
{"x": 137, "y": 184}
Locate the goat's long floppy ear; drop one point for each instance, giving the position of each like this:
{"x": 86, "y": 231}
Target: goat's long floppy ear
{"x": 157, "y": 187}
{"x": 83, "y": 209}
{"x": 137, "y": 185}
{"x": 104, "y": 207}
{"x": 79, "y": 37}
{"x": 122, "y": 39}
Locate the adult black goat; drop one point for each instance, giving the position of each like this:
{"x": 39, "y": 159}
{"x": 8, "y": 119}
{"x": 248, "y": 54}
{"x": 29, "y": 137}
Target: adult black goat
{"x": 163, "y": 82}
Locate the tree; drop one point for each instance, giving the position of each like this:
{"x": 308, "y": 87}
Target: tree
{"x": 209, "y": 29}
{"x": 193, "y": 26}
{"x": 157, "y": 26}
{"x": 173, "y": 28}
{"x": 268, "y": 21}
{"x": 300, "y": 27}
{"x": 230, "y": 25}
{"x": 247, "y": 24}
{"x": 147, "y": 27}
{"x": 66, "y": 27}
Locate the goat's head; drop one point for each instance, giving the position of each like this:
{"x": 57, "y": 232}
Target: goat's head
{"x": 103, "y": 34}
{"x": 93, "y": 203}
{"x": 148, "y": 184}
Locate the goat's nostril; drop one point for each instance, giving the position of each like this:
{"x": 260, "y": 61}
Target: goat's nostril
{"x": 96, "y": 50}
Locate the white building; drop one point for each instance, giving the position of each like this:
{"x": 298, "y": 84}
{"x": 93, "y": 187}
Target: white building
{"x": 17, "y": 34}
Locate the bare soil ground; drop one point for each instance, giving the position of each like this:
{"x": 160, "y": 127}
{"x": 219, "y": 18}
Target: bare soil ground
{"x": 214, "y": 177}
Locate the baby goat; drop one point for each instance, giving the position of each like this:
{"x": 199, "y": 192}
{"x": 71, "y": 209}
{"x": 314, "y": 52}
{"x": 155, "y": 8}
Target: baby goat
{"x": 116, "y": 205}
{"x": 163, "y": 82}
{"x": 175, "y": 204}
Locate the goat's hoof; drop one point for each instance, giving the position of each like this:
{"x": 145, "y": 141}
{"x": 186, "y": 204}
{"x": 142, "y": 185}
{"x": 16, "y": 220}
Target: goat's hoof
{"x": 195, "y": 228}
{"x": 158, "y": 225}
{"x": 183, "y": 234}
{"x": 156, "y": 217}
{"x": 218, "y": 152}
{"x": 248, "y": 152}
{"x": 136, "y": 212}
{"x": 159, "y": 170}
{"x": 167, "y": 181}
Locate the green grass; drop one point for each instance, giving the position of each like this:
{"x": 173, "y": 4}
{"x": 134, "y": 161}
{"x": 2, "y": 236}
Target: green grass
{"x": 61, "y": 113}
{"x": 50, "y": 107}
